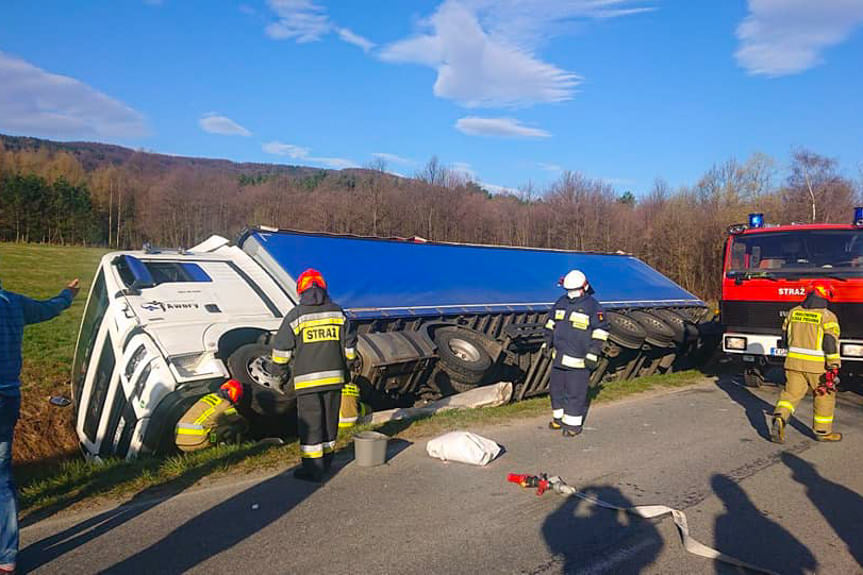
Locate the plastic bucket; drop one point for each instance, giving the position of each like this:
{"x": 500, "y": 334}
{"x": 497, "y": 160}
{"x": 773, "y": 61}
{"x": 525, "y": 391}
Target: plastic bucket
{"x": 370, "y": 448}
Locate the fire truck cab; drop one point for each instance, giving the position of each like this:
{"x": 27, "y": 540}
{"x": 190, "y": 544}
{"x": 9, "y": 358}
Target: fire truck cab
{"x": 767, "y": 271}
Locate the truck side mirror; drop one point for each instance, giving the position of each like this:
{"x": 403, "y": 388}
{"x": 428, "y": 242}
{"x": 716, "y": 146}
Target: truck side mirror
{"x": 134, "y": 273}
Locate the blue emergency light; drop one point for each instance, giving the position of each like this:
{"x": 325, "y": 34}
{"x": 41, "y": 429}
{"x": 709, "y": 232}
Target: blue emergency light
{"x": 858, "y": 216}
{"x": 756, "y": 221}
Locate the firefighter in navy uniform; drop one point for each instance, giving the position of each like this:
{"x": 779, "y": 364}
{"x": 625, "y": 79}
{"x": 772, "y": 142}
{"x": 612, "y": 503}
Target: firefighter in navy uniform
{"x": 576, "y": 330}
{"x": 314, "y": 338}
{"x": 811, "y": 332}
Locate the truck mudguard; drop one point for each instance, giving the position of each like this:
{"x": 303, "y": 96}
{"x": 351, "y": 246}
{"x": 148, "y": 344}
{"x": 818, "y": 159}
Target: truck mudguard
{"x": 372, "y": 277}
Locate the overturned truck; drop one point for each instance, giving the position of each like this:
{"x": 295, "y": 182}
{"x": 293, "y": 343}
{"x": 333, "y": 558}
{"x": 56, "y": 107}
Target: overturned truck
{"x": 162, "y": 328}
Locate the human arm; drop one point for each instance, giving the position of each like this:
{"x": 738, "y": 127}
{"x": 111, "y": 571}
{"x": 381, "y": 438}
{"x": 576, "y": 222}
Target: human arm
{"x": 36, "y": 311}
{"x": 598, "y": 336}
{"x": 830, "y": 342}
{"x": 349, "y": 344}
{"x": 285, "y": 341}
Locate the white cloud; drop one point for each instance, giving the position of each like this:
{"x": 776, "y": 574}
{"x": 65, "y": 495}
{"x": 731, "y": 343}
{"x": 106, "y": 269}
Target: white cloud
{"x": 304, "y": 154}
{"x": 496, "y": 189}
{"x": 352, "y": 38}
{"x": 782, "y": 37}
{"x": 549, "y": 167}
{"x": 300, "y": 20}
{"x": 290, "y": 150}
{"x": 218, "y": 124}
{"x": 394, "y": 159}
{"x": 463, "y": 169}
{"x": 498, "y": 128}
{"x": 305, "y": 21}
{"x": 484, "y": 50}
{"x": 38, "y": 103}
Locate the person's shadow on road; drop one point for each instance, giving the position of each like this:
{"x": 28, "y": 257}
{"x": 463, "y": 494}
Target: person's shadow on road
{"x": 743, "y": 531}
{"x": 841, "y": 507}
{"x": 229, "y": 522}
{"x": 758, "y": 411}
{"x": 588, "y": 538}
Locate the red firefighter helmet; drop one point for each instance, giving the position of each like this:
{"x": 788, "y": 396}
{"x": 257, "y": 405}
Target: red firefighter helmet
{"x": 309, "y": 278}
{"x": 233, "y": 389}
{"x": 821, "y": 288}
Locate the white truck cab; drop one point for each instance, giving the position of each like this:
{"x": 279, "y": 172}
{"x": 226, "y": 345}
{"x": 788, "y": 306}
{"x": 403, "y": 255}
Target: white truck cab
{"x": 160, "y": 322}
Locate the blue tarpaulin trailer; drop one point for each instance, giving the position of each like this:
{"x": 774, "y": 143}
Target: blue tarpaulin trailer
{"x": 384, "y": 277}
{"x": 408, "y": 297}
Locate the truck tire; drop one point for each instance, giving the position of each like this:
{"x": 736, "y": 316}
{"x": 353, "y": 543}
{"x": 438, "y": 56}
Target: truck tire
{"x": 444, "y": 384}
{"x": 462, "y": 355}
{"x": 659, "y": 333}
{"x": 625, "y": 331}
{"x": 676, "y": 322}
{"x": 753, "y": 377}
{"x": 244, "y": 365}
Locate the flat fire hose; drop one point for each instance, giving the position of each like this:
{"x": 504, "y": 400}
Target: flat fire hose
{"x": 691, "y": 544}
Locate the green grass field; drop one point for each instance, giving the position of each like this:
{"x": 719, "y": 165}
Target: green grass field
{"x": 39, "y": 271}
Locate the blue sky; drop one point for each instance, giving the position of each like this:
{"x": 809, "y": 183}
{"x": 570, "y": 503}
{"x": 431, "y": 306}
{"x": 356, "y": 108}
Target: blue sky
{"x": 505, "y": 90}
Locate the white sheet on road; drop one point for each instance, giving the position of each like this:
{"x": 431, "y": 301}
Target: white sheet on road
{"x": 463, "y": 447}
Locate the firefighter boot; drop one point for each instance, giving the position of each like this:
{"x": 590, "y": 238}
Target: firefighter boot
{"x": 555, "y": 424}
{"x": 571, "y": 431}
{"x": 777, "y": 430}
{"x": 833, "y": 436}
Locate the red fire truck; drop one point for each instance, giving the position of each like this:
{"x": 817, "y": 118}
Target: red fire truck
{"x": 767, "y": 271}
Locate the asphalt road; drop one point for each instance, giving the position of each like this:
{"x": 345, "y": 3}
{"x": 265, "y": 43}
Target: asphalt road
{"x": 792, "y": 509}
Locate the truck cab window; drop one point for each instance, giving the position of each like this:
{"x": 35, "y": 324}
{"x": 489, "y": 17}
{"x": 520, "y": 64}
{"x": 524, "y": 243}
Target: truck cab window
{"x": 166, "y": 272}
{"x": 96, "y": 306}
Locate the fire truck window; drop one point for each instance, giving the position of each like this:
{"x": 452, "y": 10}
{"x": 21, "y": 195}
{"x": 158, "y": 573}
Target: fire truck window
{"x": 738, "y": 255}
{"x": 755, "y": 258}
{"x": 798, "y": 251}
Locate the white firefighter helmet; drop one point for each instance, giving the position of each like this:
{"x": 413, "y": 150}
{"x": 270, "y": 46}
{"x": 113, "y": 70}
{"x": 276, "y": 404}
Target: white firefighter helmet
{"x": 575, "y": 280}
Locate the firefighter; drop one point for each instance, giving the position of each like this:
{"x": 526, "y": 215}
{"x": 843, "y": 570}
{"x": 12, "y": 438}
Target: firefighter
{"x": 576, "y": 330}
{"x": 314, "y": 338}
{"x": 811, "y": 333}
{"x": 213, "y": 419}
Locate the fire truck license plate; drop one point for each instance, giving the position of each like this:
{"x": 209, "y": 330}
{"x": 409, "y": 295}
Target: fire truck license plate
{"x": 782, "y": 352}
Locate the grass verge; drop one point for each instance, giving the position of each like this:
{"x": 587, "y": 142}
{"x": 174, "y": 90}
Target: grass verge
{"x": 39, "y": 271}
{"x": 48, "y": 489}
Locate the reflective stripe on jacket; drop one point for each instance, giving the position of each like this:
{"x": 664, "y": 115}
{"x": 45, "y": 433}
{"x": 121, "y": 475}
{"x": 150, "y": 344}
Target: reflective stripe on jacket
{"x": 204, "y": 422}
{"x": 576, "y": 330}
{"x": 813, "y": 339}
{"x": 316, "y": 340}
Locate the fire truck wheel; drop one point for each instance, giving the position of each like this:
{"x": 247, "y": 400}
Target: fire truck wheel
{"x": 752, "y": 377}
{"x": 462, "y": 355}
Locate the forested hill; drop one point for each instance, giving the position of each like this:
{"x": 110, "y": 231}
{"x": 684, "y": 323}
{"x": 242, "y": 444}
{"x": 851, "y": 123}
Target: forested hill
{"x": 86, "y": 193}
{"x": 93, "y": 155}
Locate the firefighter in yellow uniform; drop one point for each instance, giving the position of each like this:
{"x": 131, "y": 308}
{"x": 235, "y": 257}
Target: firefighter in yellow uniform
{"x": 812, "y": 336}
{"x": 213, "y": 419}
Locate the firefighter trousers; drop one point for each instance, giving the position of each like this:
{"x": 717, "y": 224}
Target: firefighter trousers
{"x": 568, "y": 390}
{"x": 797, "y": 384}
{"x": 318, "y": 426}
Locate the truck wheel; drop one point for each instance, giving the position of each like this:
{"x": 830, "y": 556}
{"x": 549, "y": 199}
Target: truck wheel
{"x": 753, "y": 378}
{"x": 659, "y": 333}
{"x": 245, "y": 365}
{"x": 462, "y": 355}
{"x": 625, "y": 331}
{"x": 675, "y": 321}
